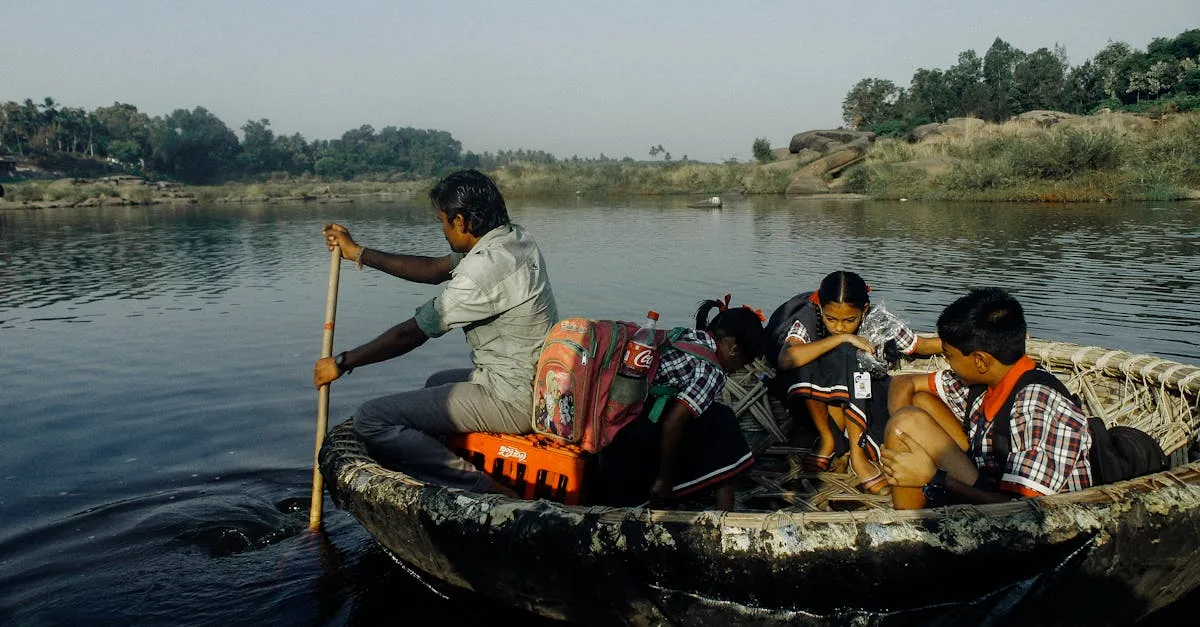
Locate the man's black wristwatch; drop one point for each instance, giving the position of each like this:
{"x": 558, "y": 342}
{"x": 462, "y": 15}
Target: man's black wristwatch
{"x": 340, "y": 362}
{"x": 935, "y": 490}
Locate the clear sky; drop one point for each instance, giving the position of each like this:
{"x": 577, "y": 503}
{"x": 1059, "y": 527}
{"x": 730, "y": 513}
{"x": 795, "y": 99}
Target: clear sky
{"x": 570, "y": 77}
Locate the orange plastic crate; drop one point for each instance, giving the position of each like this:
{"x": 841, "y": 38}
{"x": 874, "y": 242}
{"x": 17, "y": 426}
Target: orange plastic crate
{"x": 534, "y": 466}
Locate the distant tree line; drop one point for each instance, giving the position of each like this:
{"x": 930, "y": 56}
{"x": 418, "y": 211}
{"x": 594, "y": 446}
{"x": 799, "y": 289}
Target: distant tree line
{"x": 197, "y": 147}
{"x": 1008, "y": 81}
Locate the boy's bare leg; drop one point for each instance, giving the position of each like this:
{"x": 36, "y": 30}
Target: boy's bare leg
{"x": 941, "y": 446}
{"x": 941, "y": 414}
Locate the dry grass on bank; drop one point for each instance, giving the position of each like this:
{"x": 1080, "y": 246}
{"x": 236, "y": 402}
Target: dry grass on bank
{"x": 1102, "y": 159}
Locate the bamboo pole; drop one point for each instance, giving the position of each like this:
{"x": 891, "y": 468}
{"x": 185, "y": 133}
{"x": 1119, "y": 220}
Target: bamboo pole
{"x": 318, "y": 492}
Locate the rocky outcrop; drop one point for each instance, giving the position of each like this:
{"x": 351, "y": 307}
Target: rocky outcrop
{"x": 1120, "y": 122}
{"x": 954, "y": 127}
{"x": 826, "y": 141}
{"x": 1043, "y": 118}
{"x": 826, "y": 153}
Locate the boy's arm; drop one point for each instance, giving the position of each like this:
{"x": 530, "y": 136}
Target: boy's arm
{"x": 928, "y": 345}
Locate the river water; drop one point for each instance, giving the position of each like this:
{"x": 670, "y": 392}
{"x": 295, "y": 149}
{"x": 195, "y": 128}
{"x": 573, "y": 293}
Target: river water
{"x": 158, "y": 406}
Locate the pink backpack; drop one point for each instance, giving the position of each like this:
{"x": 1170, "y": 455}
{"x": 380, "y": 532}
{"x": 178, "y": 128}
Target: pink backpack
{"x": 577, "y": 396}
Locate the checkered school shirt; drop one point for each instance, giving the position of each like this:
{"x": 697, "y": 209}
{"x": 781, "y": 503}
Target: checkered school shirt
{"x": 1050, "y": 438}
{"x": 699, "y": 381}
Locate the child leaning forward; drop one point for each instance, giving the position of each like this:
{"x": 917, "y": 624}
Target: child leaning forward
{"x": 697, "y": 443}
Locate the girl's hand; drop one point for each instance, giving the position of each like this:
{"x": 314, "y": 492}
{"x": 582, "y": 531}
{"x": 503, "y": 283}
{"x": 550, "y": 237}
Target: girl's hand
{"x": 860, "y": 342}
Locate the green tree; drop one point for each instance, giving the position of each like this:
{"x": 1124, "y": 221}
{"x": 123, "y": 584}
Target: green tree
{"x": 965, "y": 81}
{"x": 999, "y": 62}
{"x": 1038, "y": 80}
{"x": 1084, "y": 88}
{"x": 126, "y": 133}
{"x": 870, "y": 101}
{"x": 193, "y": 146}
{"x": 929, "y": 96}
{"x": 260, "y": 152}
{"x": 1113, "y": 63}
{"x": 761, "y": 149}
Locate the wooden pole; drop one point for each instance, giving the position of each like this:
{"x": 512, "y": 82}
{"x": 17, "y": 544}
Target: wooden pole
{"x": 318, "y": 487}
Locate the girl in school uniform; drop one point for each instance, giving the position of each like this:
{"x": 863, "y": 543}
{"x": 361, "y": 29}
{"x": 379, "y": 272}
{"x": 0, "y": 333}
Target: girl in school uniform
{"x": 832, "y": 352}
{"x": 697, "y": 442}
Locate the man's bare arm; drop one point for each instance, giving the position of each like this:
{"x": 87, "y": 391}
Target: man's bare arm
{"x": 431, "y": 270}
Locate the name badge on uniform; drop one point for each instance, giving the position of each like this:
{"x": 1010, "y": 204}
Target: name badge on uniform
{"x": 862, "y": 385}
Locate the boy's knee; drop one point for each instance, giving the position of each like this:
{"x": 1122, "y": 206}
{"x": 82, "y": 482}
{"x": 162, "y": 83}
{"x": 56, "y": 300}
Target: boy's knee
{"x": 907, "y": 420}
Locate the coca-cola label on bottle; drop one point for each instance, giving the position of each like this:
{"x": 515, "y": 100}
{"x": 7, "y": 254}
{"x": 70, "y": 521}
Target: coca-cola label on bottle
{"x": 638, "y": 357}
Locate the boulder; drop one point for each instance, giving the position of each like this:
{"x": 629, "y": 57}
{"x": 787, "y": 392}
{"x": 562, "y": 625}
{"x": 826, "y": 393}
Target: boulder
{"x": 832, "y": 162}
{"x": 820, "y": 140}
{"x": 861, "y": 144}
{"x": 806, "y": 156}
{"x": 1119, "y": 121}
{"x": 806, "y": 185}
{"x": 925, "y": 130}
{"x": 958, "y": 127}
{"x": 810, "y": 140}
{"x": 845, "y": 136}
{"x": 1043, "y": 118}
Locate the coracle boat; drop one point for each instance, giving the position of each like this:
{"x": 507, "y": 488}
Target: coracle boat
{"x": 807, "y": 548}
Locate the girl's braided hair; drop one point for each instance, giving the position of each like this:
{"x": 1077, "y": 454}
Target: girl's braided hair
{"x": 743, "y": 324}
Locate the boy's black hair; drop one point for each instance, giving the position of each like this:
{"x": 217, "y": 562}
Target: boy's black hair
{"x": 473, "y": 195}
{"x": 844, "y": 287}
{"x": 987, "y": 320}
{"x": 740, "y": 323}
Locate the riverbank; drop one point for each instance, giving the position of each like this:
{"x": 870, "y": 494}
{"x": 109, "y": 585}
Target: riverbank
{"x": 1038, "y": 156}
{"x": 128, "y": 190}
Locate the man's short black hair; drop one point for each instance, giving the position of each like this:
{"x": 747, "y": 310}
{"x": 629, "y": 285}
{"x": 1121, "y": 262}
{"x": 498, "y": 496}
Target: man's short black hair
{"x": 987, "y": 320}
{"x": 474, "y": 196}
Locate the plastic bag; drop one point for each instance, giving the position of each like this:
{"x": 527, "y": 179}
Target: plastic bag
{"x": 879, "y": 327}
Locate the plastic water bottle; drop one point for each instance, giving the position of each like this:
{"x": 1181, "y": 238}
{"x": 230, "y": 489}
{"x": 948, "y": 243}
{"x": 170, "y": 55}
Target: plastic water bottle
{"x": 630, "y": 384}
{"x": 639, "y": 351}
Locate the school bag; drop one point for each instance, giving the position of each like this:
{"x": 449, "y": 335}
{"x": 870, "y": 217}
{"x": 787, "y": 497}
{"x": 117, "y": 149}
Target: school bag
{"x": 1118, "y": 453}
{"x": 781, "y": 321}
{"x": 578, "y": 397}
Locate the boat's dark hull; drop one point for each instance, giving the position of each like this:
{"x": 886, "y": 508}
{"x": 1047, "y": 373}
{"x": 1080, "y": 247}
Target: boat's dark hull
{"x": 1126, "y": 549}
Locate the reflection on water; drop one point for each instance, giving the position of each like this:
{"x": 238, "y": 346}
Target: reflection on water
{"x": 158, "y": 400}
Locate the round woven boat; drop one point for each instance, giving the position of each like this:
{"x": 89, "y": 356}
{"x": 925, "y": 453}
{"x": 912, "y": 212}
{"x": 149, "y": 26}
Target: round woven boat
{"x": 807, "y": 548}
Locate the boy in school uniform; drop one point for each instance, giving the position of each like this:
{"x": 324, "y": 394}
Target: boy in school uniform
{"x": 932, "y": 457}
